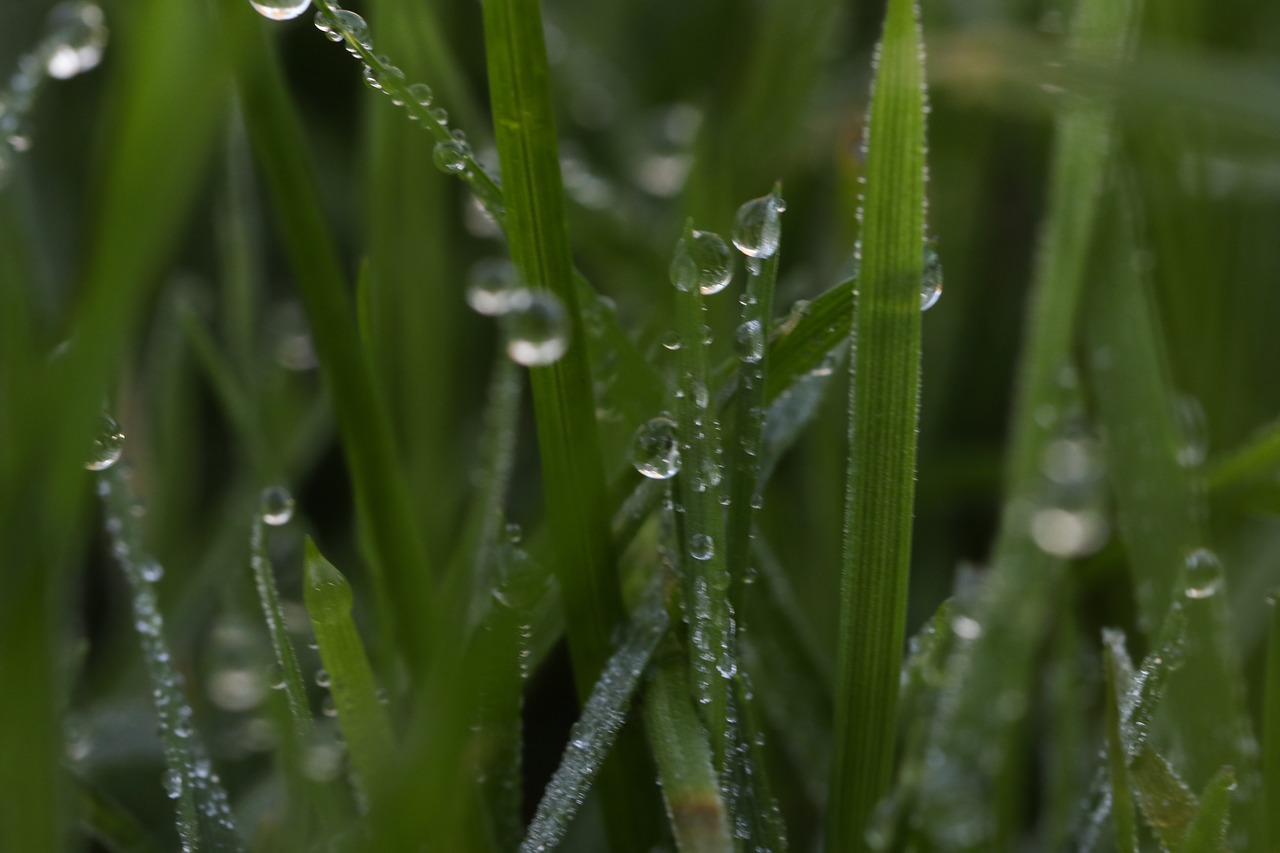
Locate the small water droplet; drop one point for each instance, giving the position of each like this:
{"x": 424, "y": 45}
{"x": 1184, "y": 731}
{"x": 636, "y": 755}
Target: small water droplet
{"x": 655, "y": 449}
{"x": 702, "y": 261}
{"x": 1204, "y": 573}
{"x": 280, "y": 10}
{"x": 491, "y": 285}
{"x": 151, "y": 571}
{"x": 1193, "y": 431}
{"x": 322, "y": 677}
{"x": 701, "y": 546}
{"x": 421, "y": 94}
{"x": 277, "y": 506}
{"x": 108, "y": 444}
{"x": 671, "y": 341}
{"x": 80, "y": 36}
{"x": 750, "y": 341}
{"x": 966, "y": 628}
{"x": 757, "y": 228}
{"x": 537, "y": 328}
{"x": 352, "y": 26}
{"x": 1068, "y": 533}
{"x": 451, "y": 156}
{"x": 930, "y": 279}
{"x": 172, "y": 781}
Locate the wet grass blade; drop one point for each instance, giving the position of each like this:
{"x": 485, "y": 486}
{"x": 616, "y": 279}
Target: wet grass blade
{"x": 1167, "y": 804}
{"x": 203, "y": 813}
{"x": 591, "y": 737}
{"x": 1122, "y": 810}
{"x": 1271, "y": 733}
{"x": 884, "y": 411}
{"x": 1208, "y": 833}
{"x": 286, "y": 656}
{"x": 365, "y": 726}
{"x": 397, "y": 554}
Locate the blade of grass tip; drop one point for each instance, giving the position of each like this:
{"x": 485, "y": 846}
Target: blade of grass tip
{"x": 1167, "y": 804}
{"x": 1258, "y": 458}
{"x": 365, "y": 726}
{"x": 959, "y": 811}
{"x": 884, "y": 411}
{"x": 591, "y": 737}
{"x": 398, "y": 558}
{"x": 564, "y": 406}
{"x": 203, "y": 815}
{"x": 703, "y": 265}
{"x": 690, "y": 787}
{"x": 757, "y": 234}
{"x": 1122, "y": 809}
{"x": 1271, "y": 733}
{"x": 1208, "y": 834}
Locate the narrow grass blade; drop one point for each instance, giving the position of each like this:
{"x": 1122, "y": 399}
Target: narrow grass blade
{"x": 204, "y": 816}
{"x": 1167, "y": 804}
{"x": 1122, "y": 809}
{"x": 365, "y": 727}
{"x": 1271, "y": 733}
{"x": 286, "y": 657}
{"x": 1208, "y": 833}
{"x": 884, "y": 411}
{"x": 1258, "y": 459}
{"x": 960, "y": 807}
{"x": 398, "y": 555}
{"x": 603, "y": 715}
{"x": 108, "y": 823}
{"x": 690, "y": 786}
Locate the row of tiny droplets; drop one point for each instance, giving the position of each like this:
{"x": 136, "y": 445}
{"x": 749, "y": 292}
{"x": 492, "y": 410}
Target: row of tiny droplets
{"x": 77, "y": 36}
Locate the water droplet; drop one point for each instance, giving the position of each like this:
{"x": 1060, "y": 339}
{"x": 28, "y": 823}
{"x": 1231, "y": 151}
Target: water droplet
{"x": 758, "y": 227}
{"x": 108, "y": 444}
{"x": 280, "y": 10}
{"x": 79, "y": 40}
{"x": 966, "y": 628}
{"x": 151, "y": 571}
{"x": 701, "y": 546}
{"x": 1068, "y": 533}
{"x": 439, "y": 114}
{"x": 671, "y": 341}
{"x": 930, "y": 279}
{"x": 172, "y": 781}
{"x": 421, "y": 94}
{"x": 1072, "y": 461}
{"x": 702, "y": 261}
{"x": 352, "y": 26}
{"x": 491, "y": 285}
{"x": 451, "y": 156}
{"x": 1204, "y": 573}
{"x": 1193, "y": 431}
{"x": 655, "y": 449}
{"x": 277, "y": 506}
{"x": 750, "y": 341}
{"x": 322, "y": 677}
{"x": 537, "y": 328}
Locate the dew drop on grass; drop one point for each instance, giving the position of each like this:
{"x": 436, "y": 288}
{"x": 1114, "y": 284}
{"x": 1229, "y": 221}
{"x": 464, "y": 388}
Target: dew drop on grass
{"x": 280, "y": 10}
{"x": 758, "y": 227}
{"x": 1068, "y": 533}
{"x": 1204, "y": 573}
{"x": 1193, "y": 431}
{"x": 671, "y": 341}
{"x": 655, "y": 449}
{"x": 277, "y": 505}
{"x": 322, "y": 677}
{"x": 344, "y": 23}
{"x": 108, "y": 444}
{"x": 491, "y": 286}
{"x": 421, "y": 94}
{"x": 701, "y": 546}
{"x": 537, "y": 328}
{"x": 81, "y": 37}
{"x": 172, "y": 781}
{"x": 702, "y": 260}
{"x": 451, "y": 156}
{"x": 750, "y": 341}
{"x": 930, "y": 279}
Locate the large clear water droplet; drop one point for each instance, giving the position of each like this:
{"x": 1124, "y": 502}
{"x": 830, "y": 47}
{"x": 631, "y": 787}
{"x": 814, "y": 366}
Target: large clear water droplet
{"x": 758, "y": 227}
{"x": 277, "y": 505}
{"x": 108, "y": 444}
{"x": 655, "y": 449}
{"x": 491, "y": 286}
{"x": 350, "y": 25}
{"x": 701, "y": 546}
{"x": 702, "y": 260}
{"x": 749, "y": 340}
{"x": 537, "y": 328}
{"x": 80, "y": 37}
{"x": 280, "y": 10}
{"x": 451, "y": 156}
{"x": 930, "y": 279}
{"x": 1204, "y": 573}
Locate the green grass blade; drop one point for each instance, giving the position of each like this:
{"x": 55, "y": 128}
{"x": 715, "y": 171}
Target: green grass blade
{"x": 365, "y": 726}
{"x": 286, "y": 656}
{"x": 203, "y": 814}
{"x": 1208, "y": 833}
{"x": 603, "y": 715}
{"x": 884, "y": 410}
{"x": 682, "y": 752}
{"x": 1271, "y": 733}
{"x": 1257, "y": 459}
{"x": 397, "y": 554}
{"x": 1168, "y": 805}
{"x": 1122, "y": 809}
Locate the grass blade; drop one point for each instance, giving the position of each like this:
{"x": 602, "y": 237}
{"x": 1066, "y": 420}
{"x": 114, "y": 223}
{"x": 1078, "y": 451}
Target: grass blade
{"x": 1208, "y": 833}
{"x": 203, "y": 813}
{"x": 1271, "y": 733}
{"x": 364, "y": 720}
{"x": 884, "y": 411}
{"x": 1167, "y": 803}
{"x": 286, "y": 657}
{"x": 603, "y": 715}
{"x": 1122, "y": 809}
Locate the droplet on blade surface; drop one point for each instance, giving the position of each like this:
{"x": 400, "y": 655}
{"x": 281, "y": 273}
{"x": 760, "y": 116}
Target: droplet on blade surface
{"x": 750, "y": 341}
{"x": 451, "y": 157}
{"x": 491, "y": 286}
{"x": 108, "y": 444}
{"x": 280, "y": 10}
{"x": 701, "y": 546}
{"x": 655, "y": 449}
{"x": 277, "y": 505}
{"x": 757, "y": 228}
{"x": 702, "y": 260}
{"x": 537, "y": 328}
{"x": 80, "y": 38}
{"x": 1204, "y": 573}
{"x": 930, "y": 279}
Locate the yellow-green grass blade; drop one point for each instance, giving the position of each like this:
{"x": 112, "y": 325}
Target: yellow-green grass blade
{"x": 884, "y": 412}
